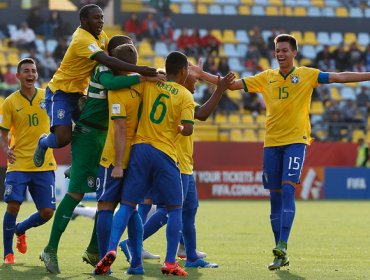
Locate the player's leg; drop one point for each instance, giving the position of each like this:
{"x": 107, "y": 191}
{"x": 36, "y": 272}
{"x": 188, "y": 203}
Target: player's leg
{"x": 136, "y": 184}
{"x": 189, "y": 211}
{"x": 61, "y": 108}
{"x": 144, "y": 209}
{"x": 294, "y": 156}
{"x": 135, "y": 235}
{"x": 42, "y": 189}
{"x": 15, "y": 192}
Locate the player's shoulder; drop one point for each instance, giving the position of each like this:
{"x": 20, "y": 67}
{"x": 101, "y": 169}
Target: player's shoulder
{"x": 13, "y": 96}
{"x": 306, "y": 69}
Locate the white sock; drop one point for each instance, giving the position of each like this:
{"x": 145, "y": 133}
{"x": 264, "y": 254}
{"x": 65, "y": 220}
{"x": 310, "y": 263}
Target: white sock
{"x": 85, "y": 211}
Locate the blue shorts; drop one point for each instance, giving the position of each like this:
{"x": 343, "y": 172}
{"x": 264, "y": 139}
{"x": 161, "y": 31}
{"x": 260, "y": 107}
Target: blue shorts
{"x": 108, "y": 188}
{"x": 41, "y": 186}
{"x": 150, "y": 169}
{"x": 62, "y": 107}
{"x": 282, "y": 163}
{"x": 190, "y": 192}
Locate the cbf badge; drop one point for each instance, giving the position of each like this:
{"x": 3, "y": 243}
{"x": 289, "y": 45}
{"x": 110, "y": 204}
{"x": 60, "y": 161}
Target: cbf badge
{"x": 91, "y": 181}
{"x": 42, "y": 104}
{"x": 61, "y": 114}
{"x": 294, "y": 79}
{"x": 8, "y": 189}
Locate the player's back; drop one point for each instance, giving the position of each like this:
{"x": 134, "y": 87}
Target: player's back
{"x": 165, "y": 106}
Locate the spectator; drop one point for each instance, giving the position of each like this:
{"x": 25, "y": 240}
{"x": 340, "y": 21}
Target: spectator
{"x": 210, "y": 43}
{"x": 194, "y": 48}
{"x": 10, "y": 80}
{"x": 226, "y": 105}
{"x": 251, "y": 102}
{"x": 150, "y": 28}
{"x": 55, "y": 24}
{"x": 223, "y": 66}
{"x": 183, "y": 41}
{"x": 366, "y": 57}
{"x": 210, "y": 65}
{"x": 252, "y": 57}
{"x": 36, "y": 22}
{"x": 161, "y": 5}
{"x": 60, "y": 50}
{"x": 354, "y": 55}
{"x": 359, "y": 66}
{"x": 49, "y": 65}
{"x": 341, "y": 58}
{"x": 323, "y": 94}
{"x": 324, "y": 60}
{"x": 256, "y": 39}
{"x": 363, "y": 104}
{"x": 335, "y": 127}
{"x": 133, "y": 27}
{"x": 24, "y": 38}
{"x": 350, "y": 117}
{"x": 271, "y": 43}
{"x": 167, "y": 28}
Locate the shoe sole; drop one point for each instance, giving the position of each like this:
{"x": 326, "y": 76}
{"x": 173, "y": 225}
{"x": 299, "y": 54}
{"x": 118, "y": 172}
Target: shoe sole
{"x": 171, "y": 272}
{"x": 104, "y": 265}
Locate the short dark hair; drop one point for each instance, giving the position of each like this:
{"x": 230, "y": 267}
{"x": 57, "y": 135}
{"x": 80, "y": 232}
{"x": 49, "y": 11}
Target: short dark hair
{"x": 117, "y": 40}
{"x": 84, "y": 11}
{"x": 26, "y": 60}
{"x": 175, "y": 61}
{"x": 126, "y": 53}
{"x": 287, "y": 38}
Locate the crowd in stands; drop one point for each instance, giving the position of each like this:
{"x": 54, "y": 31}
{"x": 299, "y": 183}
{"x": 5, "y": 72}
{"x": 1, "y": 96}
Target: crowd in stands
{"x": 339, "y": 119}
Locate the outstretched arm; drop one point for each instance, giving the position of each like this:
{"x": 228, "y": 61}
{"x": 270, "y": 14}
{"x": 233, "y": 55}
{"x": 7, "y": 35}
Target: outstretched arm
{"x": 203, "y": 112}
{"x": 8, "y": 151}
{"x": 119, "y": 65}
{"x": 348, "y": 77}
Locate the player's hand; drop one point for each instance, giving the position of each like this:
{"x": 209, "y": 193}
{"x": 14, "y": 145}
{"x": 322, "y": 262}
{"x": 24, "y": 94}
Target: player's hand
{"x": 10, "y": 154}
{"x": 196, "y": 70}
{"x": 147, "y": 71}
{"x": 224, "y": 83}
{"x": 159, "y": 78}
{"x": 117, "y": 172}
{"x": 180, "y": 128}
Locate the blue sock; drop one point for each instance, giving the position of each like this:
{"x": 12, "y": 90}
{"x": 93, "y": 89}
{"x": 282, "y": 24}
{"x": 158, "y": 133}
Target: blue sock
{"x": 8, "y": 232}
{"x": 155, "y": 222}
{"x": 34, "y": 220}
{"x": 49, "y": 142}
{"x": 189, "y": 234}
{"x": 288, "y": 212}
{"x": 143, "y": 211}
{"x": 135, "y": 235}
{"x": 275, "y": 216}
{"x": 103, "y": 230}
{"x": 120, "y": 221}
{"x": 173, "y": 233}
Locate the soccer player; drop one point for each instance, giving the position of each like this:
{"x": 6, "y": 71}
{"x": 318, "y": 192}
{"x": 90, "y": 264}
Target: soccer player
{"x": 24, "y": 116}
{"x": 71, "y": 79}
{"x": 88, "y": 142}
{"x": 287, "y": 92}
{"x": 168, "y": 109}
{"x": 184, "y": 147}
{"x": 124, "y": 107}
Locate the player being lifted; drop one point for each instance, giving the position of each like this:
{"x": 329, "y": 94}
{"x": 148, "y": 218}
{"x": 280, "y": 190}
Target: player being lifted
{"x": 287, "y": 93}
{"x": 24, "y": 116}
{"x": 70, "y": 81}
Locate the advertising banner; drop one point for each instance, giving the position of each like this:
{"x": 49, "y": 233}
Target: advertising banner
{"x": 347, "y": 183}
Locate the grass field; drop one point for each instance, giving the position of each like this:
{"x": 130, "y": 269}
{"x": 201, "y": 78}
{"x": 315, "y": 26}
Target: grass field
{"x": 329, "y": 240}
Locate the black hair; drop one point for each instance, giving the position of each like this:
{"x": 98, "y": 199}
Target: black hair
{"x": 117, "y": 40}
{"x": 24, "y": 61}
{"x": 287, "y": 38}
{"x": 175, "y": 61}
{"x": 84, "y": 11}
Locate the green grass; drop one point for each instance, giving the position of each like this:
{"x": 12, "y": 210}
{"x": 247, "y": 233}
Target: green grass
{"x": 329, "y": 240}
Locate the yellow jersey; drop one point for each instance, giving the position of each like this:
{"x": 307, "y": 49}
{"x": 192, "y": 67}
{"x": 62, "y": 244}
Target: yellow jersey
{"x": 165, "y": 106}
{"x": 74, "y": 72}
{"x": 185, "y": 150}
{"x": 26, "y": 120}
{"x": 288, "y": 100}
{"x": 123, "y": 103}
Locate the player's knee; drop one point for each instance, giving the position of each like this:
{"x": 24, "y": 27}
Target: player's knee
{"x": 46, "y": 213}
{"x": 13, "y": 207}
{"x": 63, "y": 135}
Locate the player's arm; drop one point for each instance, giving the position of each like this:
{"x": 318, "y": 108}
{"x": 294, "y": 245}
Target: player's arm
{"x": 119, "y": 146}
{"x": 198, "y": 72}
{"x": 346, "y": 77}
{"x": 119, "y": 65}
{"x": 203, "y": 112}
{"x": 8, "y": 151}
{"x": 186, "y": 128}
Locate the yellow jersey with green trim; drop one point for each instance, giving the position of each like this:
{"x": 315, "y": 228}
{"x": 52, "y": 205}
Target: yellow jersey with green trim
{"x": 185, "y": 150}
{"x": 123, "y": 103}
{"x": 165, "y": 106}
{"x": 288, "y": 100}
{"x": 74, "y": 72}
{"x": 26, "y": 120}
